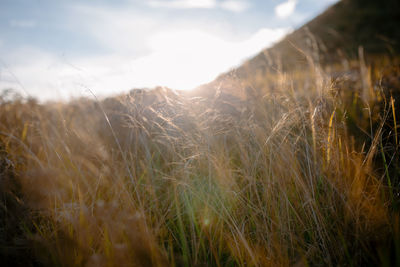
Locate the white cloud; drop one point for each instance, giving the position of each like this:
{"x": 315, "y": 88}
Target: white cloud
{"x": 285, "y": 9}
{"x": 23, "y": 23}
{"x": 235, "y": 5}
{"x": 183, "y": 4}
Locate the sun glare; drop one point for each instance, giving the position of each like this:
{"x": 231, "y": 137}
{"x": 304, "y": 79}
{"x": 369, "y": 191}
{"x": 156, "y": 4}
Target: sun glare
{"x": 179, "y": 59}
{"x": 188, "y": 58}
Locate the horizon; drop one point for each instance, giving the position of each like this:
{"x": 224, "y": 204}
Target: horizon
{"x": 58, "y": 51}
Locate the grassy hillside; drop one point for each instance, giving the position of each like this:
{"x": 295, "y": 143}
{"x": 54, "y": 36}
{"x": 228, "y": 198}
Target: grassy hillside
{"x": 347, "y": 31}
{"x": 302, "y": 175}
{"x": 271, "y": 168}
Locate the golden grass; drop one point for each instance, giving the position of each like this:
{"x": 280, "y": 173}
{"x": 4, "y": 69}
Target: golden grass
{"x": 292, "y": 176}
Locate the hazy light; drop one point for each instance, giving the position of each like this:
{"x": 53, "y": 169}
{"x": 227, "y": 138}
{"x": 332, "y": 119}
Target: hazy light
{"x": 188, "y": 58}
{"x": 112, "y": 48}
{"x": 180, "y": 59}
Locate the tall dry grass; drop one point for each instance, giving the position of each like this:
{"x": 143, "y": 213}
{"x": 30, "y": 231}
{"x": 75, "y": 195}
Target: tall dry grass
{"x": 302, "y": 172}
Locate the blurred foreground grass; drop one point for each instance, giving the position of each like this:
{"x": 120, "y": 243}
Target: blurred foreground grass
{"x": 303, "y": 169}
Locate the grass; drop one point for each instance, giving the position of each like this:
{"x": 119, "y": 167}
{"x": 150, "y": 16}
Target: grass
{"x": 304, "y": 171}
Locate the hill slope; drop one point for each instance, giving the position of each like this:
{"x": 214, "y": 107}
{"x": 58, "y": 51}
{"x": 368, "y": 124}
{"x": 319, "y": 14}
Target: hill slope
{"x": 329, "y": 38}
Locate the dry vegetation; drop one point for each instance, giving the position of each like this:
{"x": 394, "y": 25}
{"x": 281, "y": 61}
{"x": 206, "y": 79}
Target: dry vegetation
{"x": 304, "y": 171}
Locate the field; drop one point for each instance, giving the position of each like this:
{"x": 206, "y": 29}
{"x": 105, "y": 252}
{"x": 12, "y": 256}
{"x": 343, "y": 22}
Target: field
{"x": 300, "y": 169}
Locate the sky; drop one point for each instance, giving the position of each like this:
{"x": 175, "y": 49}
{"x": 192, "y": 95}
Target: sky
{"x": 54, "y": 50}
